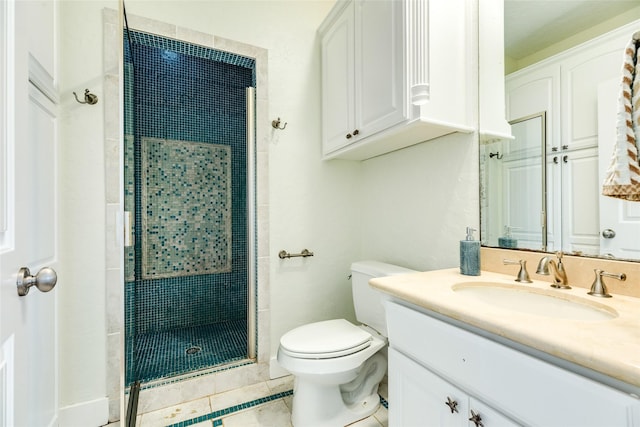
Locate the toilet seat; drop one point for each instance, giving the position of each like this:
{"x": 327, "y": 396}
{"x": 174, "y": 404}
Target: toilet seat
{"x": 325, "y": 340}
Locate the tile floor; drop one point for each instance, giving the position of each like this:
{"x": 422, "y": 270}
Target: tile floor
{"x": 263, "y": 404}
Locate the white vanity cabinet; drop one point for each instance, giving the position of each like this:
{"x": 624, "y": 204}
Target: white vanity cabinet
{"x": 395, "y": 73}
{"x": 421, "y": 397}
{"x": 433, "y": 362}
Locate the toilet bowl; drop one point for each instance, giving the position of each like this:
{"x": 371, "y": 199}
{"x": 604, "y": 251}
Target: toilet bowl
{"x": 337, "y": 366}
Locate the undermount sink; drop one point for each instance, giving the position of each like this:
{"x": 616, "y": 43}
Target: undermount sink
{"x": 539, "y": 302}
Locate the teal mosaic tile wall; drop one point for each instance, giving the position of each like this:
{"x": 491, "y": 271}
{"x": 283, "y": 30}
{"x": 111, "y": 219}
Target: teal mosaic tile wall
{"x": 189, "y": 267}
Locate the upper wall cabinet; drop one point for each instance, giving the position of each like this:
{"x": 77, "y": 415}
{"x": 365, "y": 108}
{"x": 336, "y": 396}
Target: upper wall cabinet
{"x": 396, "y": 73}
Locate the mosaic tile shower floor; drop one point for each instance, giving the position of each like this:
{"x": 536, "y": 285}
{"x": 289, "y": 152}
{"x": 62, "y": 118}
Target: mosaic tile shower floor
{"x": 170, "y": 353}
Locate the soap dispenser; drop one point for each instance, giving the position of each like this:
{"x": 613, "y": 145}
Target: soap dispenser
{"x": 507, "y": 241}
{"x": 470, "y": 255}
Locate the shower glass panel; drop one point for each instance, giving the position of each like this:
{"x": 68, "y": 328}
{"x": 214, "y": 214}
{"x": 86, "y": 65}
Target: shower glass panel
{"x": 185, "y": 182}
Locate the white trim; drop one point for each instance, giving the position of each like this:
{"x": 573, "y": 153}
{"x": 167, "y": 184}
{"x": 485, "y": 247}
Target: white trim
{"x": 89, "y": 413}
{"x": 7, "y": 367}
{"x": 7, "y": 116}
{"x": 41, "y": 79}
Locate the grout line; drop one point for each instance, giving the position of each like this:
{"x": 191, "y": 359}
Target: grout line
{"x": 216, "y": 416}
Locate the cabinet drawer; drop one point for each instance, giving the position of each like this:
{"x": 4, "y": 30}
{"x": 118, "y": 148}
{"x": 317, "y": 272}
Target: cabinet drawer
{"x": 520, "y": 386}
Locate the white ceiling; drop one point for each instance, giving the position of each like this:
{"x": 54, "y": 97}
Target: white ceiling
{"x": 532, "y": 25}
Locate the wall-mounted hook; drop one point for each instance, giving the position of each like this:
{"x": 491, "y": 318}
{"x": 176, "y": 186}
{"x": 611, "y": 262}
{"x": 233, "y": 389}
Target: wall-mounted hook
{"x": 89, "y": 98}
{"x": 276, "y": 124}
{"x": 497, "y": 155}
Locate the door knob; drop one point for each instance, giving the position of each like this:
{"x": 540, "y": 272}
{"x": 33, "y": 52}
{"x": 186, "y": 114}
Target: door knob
{"x": 608, "y": 233}
{"x": 45, "y": 280}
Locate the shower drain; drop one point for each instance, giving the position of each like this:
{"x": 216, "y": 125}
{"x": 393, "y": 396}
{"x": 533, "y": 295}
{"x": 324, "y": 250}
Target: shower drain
{"x": 193, "y": 350}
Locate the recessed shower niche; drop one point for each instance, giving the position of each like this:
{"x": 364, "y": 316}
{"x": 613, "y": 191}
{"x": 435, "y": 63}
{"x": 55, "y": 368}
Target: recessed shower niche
{"x": 189, "y": 259}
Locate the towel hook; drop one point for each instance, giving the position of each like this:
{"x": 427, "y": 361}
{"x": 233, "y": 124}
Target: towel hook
{"x": 89, "y": 98}
{"x": 276, "y": 124}
{"x": 497, "y": 155}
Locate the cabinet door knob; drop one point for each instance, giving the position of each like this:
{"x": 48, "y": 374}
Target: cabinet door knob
{"x": 555, "y": 160}
{"x": 348, "y": 136}
{"x": 565, "y": 159}
{"x": 452, "y": 404}
{"x": 356, "y": 132}
{"x": 476, "y": 419}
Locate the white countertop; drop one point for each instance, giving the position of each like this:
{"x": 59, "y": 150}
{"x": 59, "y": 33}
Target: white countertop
{"x": 610, "y": 347}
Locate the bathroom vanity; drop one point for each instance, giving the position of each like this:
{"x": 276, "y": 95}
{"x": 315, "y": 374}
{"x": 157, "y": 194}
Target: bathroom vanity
{"x": 489, "y": 351}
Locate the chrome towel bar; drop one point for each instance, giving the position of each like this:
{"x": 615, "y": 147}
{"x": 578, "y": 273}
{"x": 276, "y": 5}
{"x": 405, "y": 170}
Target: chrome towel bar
{"x": 305, "y": 253}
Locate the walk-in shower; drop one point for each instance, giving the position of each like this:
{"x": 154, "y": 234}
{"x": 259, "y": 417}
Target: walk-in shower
{"x": 189, "y": 191}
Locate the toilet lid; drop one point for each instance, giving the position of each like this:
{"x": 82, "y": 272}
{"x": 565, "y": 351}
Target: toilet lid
{"x": 324, "y": 340}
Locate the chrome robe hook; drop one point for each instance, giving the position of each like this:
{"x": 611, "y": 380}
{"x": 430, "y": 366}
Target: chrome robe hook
{"x": 89, "y": 98}
{"x": 276, "y": 124}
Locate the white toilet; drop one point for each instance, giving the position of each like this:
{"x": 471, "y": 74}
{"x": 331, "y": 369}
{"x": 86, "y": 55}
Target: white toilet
{"x": 337, "y": 365}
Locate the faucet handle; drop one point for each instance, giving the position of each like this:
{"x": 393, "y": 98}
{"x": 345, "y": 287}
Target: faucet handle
{"x": 598, "y": 288}
{"x": 523, "y": 274}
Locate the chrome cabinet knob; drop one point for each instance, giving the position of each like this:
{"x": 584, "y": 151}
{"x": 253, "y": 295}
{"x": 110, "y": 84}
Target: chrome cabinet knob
{"x": 608, "y": 233}
{"x": 45, "y": 280}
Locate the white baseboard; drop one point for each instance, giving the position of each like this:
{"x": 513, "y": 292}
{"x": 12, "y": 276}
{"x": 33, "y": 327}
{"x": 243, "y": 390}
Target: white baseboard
{"x": 93, "y": 413}
{"x": 275, "y": 370}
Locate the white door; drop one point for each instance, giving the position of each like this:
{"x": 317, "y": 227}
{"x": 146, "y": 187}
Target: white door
{"x": 619, "y": 219}
{"x": 28, "y": 212}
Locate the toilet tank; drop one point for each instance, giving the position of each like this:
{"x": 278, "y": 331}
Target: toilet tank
{"x": 366, "y": 300}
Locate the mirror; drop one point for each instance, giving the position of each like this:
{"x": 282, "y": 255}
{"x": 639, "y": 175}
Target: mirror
{"x": 563, "y": 211}
{"x": 515, "y": 202}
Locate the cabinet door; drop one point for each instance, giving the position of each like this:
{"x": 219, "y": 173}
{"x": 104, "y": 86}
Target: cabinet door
{"x": 582, "y": 72}
{"x": 338, "y": 112}
{"x": 379, "y": 66}
{"x": 419, "y": 398}
{"x": 580, "y": 201}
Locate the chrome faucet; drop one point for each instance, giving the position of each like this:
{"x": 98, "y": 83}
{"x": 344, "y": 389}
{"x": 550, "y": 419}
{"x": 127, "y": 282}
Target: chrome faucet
{"x": 523, "y": 274}
{"x": 560, "y": 280}
{"x": 598, "y": 289}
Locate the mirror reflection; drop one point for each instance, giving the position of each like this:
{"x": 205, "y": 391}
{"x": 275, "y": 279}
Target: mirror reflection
{"x": 512, "y": 171}
{"x": 542, "y": 191}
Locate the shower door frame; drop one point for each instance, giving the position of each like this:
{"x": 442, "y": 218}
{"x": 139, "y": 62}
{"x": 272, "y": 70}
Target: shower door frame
{"x": 258, "y": 209}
